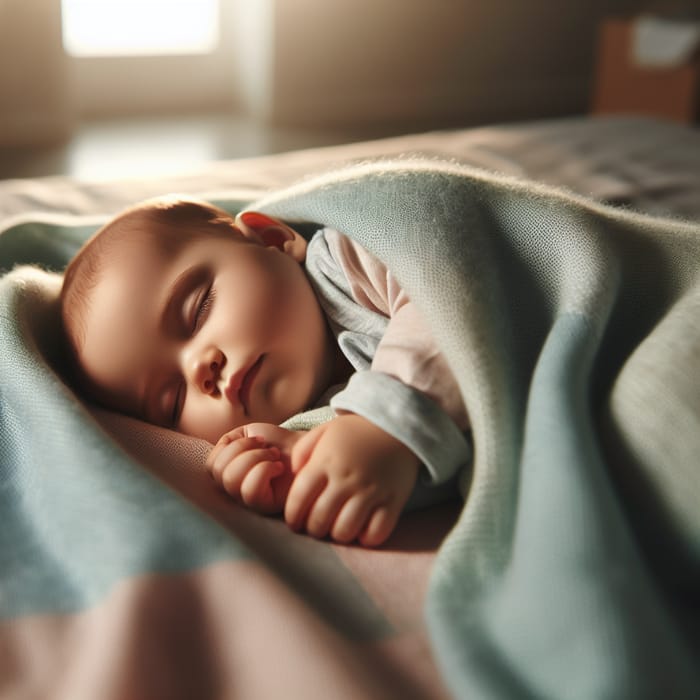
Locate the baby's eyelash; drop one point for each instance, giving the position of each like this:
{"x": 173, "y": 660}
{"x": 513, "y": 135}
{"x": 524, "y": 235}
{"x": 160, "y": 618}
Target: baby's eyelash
{"x": 204, "y": 308}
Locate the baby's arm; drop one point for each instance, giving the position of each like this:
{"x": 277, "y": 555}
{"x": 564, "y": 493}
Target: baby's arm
{"x": 351, "y": 481}
{"x": 252, "y": 464}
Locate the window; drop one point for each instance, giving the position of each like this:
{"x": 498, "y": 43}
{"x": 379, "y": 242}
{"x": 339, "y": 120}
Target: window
{"x": 183, "y": 53}
{"x": 139, "y": 27}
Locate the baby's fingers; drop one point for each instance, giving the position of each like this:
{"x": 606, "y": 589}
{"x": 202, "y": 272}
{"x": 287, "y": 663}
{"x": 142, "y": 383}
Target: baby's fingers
{"x": 381, "y": 524}
{"x": 305, "y": 489}
{"x": 224, "y": 452}
{"x": 352, "y": 519}
{"x": 324, "y": 511}
{"x": 235, "y": 460}
{"x": 231, "y": 444}
{"x": 256, "y": 489}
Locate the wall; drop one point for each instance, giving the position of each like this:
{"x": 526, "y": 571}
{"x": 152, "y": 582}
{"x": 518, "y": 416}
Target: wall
{"x": 327, "y": 63}
{"x": 252, "y": 35}
{"x": 43, "y": 91}
{"x": 432, "y": 60}
{"x": 35, "y": 88}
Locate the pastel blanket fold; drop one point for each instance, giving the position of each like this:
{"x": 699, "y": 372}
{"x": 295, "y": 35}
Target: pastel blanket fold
{"x": 573, "y": 330}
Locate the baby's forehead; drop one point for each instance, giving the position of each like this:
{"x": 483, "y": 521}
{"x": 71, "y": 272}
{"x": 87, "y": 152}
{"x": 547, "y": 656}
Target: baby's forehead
{"x": 169, "y": 238}
{"x": 154, "y": 243}
{"x": 139, "y": 241}
{"x": 154, "y": 253}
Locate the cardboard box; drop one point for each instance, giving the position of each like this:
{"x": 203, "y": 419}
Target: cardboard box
{"x": 622, "y": 86}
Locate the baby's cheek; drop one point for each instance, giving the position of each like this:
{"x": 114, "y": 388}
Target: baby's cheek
{"x": 207, "y": 422}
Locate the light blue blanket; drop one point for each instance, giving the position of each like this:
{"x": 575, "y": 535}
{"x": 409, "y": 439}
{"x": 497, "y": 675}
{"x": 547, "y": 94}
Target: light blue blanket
{"x": 574, "y": 332}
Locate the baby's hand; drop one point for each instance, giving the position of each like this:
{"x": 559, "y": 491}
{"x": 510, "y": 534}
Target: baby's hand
{"x": 252, "y": 464}
{"x": 351, "y": 481}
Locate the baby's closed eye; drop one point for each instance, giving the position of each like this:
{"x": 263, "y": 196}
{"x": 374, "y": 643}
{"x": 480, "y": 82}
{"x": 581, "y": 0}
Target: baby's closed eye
{"x": 203, "y": 306}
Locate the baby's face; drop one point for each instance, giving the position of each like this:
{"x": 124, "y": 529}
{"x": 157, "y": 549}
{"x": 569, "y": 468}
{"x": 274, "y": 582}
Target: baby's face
{"x": 221, "y": 333}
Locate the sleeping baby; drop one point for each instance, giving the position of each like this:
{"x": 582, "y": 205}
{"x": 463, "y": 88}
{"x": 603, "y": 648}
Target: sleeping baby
{"x": 220, "y": 328}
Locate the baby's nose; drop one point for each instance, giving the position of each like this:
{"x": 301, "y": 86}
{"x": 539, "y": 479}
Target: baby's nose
{"x": 209, "y": 378}
{"x": 207, "y": 371}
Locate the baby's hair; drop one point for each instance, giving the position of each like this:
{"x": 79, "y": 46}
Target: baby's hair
{"x": 170, "y": 222}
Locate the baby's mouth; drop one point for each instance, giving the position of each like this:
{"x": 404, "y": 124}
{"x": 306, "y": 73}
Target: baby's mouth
{"x": 240, "y": 384}
{"x": 247, "y": 383}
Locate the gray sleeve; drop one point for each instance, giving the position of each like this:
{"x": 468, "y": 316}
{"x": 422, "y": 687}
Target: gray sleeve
{"x": 411, "y": 417}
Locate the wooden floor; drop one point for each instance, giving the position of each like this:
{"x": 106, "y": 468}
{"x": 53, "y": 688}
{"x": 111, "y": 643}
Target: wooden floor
{"x": 134, "y": 147}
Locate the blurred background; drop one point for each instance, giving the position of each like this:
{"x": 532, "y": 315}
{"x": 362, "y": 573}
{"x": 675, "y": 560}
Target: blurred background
{"x": 119, "y": 88}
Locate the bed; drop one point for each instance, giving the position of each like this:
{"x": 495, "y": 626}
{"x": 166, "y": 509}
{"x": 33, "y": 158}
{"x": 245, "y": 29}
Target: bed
{"x": 125, "y": 574}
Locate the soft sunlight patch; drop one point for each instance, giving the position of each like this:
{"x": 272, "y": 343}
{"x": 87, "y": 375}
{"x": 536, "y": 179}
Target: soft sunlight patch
{"x": 139, "y": 27}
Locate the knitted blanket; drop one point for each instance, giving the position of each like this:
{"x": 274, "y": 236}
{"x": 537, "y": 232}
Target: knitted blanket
{"x": 573, "y": 330}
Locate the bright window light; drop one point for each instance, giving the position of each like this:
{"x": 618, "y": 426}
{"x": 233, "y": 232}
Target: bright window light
{"x": 139, "y": 27}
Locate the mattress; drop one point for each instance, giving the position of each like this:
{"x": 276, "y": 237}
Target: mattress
{"x": 176, "y": 592}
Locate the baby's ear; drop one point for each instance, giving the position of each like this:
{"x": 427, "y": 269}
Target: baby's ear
{"x": 272, "y": 232}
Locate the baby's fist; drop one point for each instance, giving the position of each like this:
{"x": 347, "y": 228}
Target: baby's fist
{"x": 251, "y": 463}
